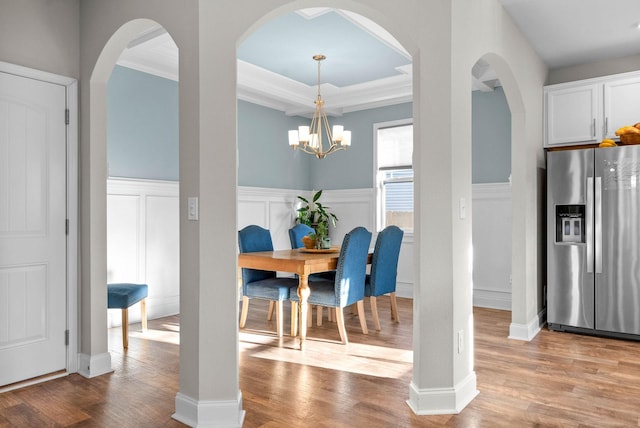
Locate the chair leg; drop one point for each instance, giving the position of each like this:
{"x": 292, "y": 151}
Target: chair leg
{"x": 319, "y": 315}
{"x": 279, "y": 318}
{"x": 341, "y": 329}
{"x": 309, "y": 316}
{"x": 125, "y": 328}
{"x": 294, "y": 319}
{"x": 245, "y": 311}
{"x": 271, "y": 309}
{"x": 143, "y": 314}
{"x": 374, "y": 312}
{"x": 330, "y": 315}
{"x": 363, "y": 320}
{"x": 394, "y": 307}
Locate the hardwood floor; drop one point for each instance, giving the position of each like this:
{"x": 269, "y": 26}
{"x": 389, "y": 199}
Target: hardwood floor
{"x": 557, "y": 379}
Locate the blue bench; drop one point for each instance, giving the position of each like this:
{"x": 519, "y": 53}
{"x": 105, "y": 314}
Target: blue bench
{"x": 122, "y": 296}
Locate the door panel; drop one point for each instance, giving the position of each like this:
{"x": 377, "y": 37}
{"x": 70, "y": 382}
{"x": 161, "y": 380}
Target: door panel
{"x": 32, "y": 228}
{"x": 618, "y": 285}
{"x": 569, "y": 281}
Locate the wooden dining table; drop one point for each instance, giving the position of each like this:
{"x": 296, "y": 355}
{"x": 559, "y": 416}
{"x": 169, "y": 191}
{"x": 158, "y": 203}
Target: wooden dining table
{"x": 301, "y": 262}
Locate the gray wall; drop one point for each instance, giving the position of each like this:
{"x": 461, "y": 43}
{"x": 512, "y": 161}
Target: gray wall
{"x": 143, "y": 139}
{"x": 142, "y": 129}
{"x": 595, "y": 69}
{"x": 44, "y": 35}
{"x": 491, "y": 137}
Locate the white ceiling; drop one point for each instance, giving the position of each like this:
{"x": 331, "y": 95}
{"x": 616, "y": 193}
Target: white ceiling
{"x": 574, "y": 32}
{"x": 367, "y": 68}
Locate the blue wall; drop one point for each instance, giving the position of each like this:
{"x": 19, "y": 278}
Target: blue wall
{"x": 265, "y": 158}
{"x": 353, "y": 168}
{"x": 142, "y": 125}
{"x": 491, "y": 137}
{"x": 143, "y": 139}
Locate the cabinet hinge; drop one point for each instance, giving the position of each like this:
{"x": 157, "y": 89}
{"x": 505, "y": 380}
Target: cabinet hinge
{"x": 66, "y": 338}
{"x": 66, "y": 226}
{"x": 66, "y": 116}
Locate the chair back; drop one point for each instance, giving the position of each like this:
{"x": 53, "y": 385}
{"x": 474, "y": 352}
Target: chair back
{"x": 384, "y": 262}
{"x": 252, "y": 239}
{"x": 352, "y": 267}
{"x": 296, "y": 233}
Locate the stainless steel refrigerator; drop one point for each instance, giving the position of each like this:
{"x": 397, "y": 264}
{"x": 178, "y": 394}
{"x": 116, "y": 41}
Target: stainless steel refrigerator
{"x": 593, "y": 238}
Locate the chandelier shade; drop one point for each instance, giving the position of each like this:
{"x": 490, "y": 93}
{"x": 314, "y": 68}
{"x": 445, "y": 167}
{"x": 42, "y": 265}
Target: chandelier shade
{"x": 310, "y": 138}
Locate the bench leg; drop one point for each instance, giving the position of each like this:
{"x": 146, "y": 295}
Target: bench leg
{"x": 125, "y": 328}
{"x": 143, "y": 314}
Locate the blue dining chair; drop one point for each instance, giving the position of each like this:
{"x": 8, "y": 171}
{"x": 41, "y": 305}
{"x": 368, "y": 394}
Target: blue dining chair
{"x": 348, "y": 286}
{"x": 384, "y": 270}
{"x": 297, "y": 232}
{"x": 260, "y": 284}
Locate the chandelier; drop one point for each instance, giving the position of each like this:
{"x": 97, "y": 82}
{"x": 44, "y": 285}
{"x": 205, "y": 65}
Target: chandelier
{"x": 309, "y": 139}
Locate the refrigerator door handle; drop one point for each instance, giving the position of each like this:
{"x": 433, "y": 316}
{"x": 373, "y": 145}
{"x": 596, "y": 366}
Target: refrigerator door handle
{"x": 589, "y": 225}
{"x": 598, "y": 224}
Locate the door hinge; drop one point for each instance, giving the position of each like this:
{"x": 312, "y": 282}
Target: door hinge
{"x": 66, "y": 226}
{"x": 66, "y": 116}
{"x": 66, "y": 338}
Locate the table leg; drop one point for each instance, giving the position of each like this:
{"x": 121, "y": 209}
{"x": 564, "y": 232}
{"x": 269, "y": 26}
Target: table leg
{"x": 303, "y": 295}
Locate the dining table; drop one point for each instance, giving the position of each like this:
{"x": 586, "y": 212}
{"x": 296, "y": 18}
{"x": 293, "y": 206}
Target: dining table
{"x": 302, "y": 262}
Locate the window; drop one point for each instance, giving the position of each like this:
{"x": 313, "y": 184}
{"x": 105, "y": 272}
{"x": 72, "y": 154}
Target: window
{"x": 394, "y": 174}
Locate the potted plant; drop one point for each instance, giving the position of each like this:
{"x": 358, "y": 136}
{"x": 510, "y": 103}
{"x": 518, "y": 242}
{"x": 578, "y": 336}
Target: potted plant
{"x": 317, "y": 216}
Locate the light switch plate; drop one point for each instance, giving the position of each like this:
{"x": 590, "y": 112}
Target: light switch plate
{"x": 192, "y": 208}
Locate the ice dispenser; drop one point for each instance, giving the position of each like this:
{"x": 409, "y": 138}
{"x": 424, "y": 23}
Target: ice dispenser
{"x": 570, "y": 224}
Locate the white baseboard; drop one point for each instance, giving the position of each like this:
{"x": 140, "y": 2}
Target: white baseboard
{"x": 209, "y": 413}
{"x": 492, "y": 299}
{"x": 94, "y": 365}
{"x": 443, "y": 401}
{"x": 530, "y": 330}
{"x": 404, "y": 289}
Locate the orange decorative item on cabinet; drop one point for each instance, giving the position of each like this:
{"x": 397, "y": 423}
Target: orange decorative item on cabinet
{"x": 630, "y": 138}
{"x": 629, "y": 134}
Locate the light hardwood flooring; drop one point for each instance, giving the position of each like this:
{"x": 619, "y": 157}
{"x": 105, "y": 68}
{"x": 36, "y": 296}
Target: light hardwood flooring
{"x": 557, "y": 379}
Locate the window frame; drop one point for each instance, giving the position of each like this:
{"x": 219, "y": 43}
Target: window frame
{"x": 379, "y": 192}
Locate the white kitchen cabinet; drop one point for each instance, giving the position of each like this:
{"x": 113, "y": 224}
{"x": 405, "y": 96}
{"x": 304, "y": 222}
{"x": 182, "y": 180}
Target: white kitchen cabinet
{"x": 586, "y": 111}
{"x": 572, "y": 114}
{"x": 621, "y": 104}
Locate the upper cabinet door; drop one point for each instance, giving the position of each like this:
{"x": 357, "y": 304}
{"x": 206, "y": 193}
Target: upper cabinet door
{"x": 573, "y": 115}
{"x": 621, "y": 104}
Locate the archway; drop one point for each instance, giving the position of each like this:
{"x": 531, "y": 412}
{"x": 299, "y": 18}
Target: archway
{"x": 521, "y": 326}
{"x": 95, "y": 335}
{"x": 491, "y": 174}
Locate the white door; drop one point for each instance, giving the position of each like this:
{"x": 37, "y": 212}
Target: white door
{"x": 32, "y": 228}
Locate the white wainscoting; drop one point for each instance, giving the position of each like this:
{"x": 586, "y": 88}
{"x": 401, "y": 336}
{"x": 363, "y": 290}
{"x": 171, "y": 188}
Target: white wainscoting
{"x": 143, "y": 236}
{"x": 143, "y": 243}
{"x": 492, "y": 245}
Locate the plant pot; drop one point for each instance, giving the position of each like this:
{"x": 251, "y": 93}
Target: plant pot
{"x": 326, "y": 243}
{"x": 308, "y": 242}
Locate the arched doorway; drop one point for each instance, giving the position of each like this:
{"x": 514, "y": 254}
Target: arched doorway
{"x": 525, "y": 319}
{"x": 99, "y": 360}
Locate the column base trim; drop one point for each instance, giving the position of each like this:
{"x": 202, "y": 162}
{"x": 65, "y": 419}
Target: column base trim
{"x": 442, "y": 401}
{"x": 209, "y": 413}
{"x": 94, "y": 365}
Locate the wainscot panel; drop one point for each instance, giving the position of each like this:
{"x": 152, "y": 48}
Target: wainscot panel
{"x": 143, "y": 243}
